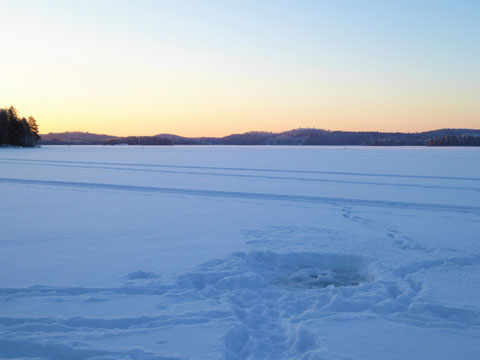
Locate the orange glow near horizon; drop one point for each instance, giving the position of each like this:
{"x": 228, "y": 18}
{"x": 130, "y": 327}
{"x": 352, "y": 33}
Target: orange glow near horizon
{"x": 275, "y": 115}
{"x": 221, "y": 122}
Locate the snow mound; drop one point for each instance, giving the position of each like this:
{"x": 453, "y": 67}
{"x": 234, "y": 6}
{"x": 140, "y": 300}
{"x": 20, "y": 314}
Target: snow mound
{"x": 140, "y": 274}
{"x": 258, "y": 269}
{"x": 269, "y": 298}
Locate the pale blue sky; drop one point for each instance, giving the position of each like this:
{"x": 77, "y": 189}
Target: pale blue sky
{"x": 217, "y": 67}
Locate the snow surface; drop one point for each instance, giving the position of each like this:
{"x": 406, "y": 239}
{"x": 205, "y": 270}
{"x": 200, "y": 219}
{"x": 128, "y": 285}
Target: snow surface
{"x": 239, "y": 253}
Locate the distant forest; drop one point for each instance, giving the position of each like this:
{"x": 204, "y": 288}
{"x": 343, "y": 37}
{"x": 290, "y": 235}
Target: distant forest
{"x": 21, "y": 131}
{"x": 442, "y": 137}
{"x": 16, "y": 131}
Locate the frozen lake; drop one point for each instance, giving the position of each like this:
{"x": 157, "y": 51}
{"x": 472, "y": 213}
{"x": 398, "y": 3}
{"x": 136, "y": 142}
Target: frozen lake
{"x": 239, "y": 253}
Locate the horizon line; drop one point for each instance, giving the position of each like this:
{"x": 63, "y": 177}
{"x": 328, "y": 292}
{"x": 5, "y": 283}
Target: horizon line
{"x": 265, "y": 132}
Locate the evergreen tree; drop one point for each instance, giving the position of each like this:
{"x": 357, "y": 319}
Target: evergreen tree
{"x": 33, "y": 125}
{"x": 17, "y": 131}
{"x": 3, "y": 126}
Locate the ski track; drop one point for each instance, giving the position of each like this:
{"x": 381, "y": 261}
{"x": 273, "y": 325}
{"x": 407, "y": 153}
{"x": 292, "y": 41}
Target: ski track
{"x": 250, "y": 169}
{"x": 241, "y": 195}
{"x": 247, "y": 176}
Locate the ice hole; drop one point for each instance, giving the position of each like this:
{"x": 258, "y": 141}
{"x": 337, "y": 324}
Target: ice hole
{"x": 313, "y": 270}
{"x": 321, "y": 278}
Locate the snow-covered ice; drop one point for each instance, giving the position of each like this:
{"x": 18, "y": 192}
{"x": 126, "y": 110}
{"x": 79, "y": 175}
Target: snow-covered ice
{"x": 239, "y": 253}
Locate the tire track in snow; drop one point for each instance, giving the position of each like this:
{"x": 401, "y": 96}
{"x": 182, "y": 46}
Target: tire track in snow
{"x": 255, "y": 169}
{"x": 79, "y": 291}
{"x": 249, "y": 176}
{"x": 26, "y": 348}
{"x": 68, "y": 324}
{"x": 241, "y": 195}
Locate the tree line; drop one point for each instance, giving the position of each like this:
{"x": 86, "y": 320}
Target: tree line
{"x": 455, "y": 140}
{"x": 16, "y": 130}
{"x": 441, "y": 137}
{"x": 138, "y": 140}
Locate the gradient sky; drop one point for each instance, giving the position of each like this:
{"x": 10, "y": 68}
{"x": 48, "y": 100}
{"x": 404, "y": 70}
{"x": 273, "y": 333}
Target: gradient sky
{"x": 218, "y": 67}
